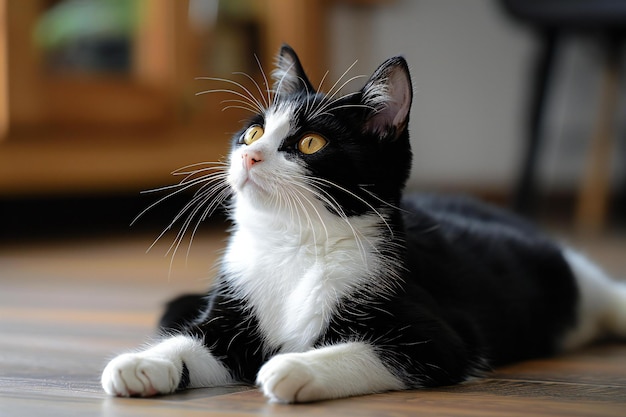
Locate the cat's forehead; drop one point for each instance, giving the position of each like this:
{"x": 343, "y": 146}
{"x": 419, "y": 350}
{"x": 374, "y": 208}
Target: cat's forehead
{"x": 280, "y": 120}
{"x": 300, "y": 110}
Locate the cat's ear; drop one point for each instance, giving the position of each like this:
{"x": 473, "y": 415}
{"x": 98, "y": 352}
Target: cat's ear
{"x": 289, "y": 76}
{"x": 389, "y": 94}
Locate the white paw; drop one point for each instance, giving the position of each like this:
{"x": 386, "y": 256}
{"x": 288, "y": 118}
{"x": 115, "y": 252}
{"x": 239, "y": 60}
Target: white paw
{"x": 290, "y": 378}
{"x": 135, "y": 374}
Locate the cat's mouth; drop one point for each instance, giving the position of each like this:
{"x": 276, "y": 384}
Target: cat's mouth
{"x": 248, "y": 183}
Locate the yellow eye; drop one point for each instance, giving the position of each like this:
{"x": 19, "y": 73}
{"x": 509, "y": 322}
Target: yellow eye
{"x": 311, "y": 143}
{"x": 253, "y": 134}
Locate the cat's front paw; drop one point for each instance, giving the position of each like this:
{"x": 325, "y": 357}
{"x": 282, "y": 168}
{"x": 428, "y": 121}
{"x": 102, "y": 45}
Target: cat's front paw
{"x": 290, "y": 378}
{"x": 135, "y": 374}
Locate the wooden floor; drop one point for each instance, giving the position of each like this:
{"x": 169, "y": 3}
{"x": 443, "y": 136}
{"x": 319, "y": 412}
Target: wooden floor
{"x": 67, "y": 306}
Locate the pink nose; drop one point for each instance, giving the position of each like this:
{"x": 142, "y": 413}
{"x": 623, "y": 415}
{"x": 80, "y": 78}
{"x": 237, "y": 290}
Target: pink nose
{"x": 250, "y": 158}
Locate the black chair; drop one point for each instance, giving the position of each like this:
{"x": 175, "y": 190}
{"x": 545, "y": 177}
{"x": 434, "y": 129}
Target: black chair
{"x": 553, "y": 20}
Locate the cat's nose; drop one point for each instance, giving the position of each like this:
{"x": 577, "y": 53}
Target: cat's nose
{"x": 250, "y": 158}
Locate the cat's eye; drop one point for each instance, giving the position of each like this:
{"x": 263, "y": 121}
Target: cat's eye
{"x": 253, "y": 134}
{"x": 311, "y": 143}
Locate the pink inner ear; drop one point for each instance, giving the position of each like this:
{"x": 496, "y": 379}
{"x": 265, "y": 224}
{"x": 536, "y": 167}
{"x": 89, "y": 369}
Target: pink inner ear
{"x": 392, "y": 97}
{"x": 400, "y": 98}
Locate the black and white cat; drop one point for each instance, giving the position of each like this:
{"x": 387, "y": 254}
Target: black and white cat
{"x": 335, "y": 285}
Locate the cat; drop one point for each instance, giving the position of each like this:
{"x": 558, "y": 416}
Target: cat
{"x": 334, "y": 284}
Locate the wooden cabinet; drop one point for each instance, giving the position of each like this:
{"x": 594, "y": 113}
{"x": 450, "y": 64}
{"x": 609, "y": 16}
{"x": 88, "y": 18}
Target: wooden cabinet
{"x": 79, "y": 123}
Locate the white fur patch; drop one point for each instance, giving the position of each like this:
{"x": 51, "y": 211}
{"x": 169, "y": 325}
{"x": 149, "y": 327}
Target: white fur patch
{"x": 158, "y": 370}
{"x": 294, "y": 279}
{"x": 289, "y": 256}
{"x": 259, "y": 182}
{"x": 329, "y": 372}
{"x": 602, "y": 303}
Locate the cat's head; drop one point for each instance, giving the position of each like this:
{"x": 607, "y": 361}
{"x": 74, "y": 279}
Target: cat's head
{"x": 350, "y": 154}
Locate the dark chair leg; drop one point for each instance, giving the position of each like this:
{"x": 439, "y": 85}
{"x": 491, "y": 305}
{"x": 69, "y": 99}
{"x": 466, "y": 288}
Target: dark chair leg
{"x": 595, "y": 190}
{"x": 525, "y": 200}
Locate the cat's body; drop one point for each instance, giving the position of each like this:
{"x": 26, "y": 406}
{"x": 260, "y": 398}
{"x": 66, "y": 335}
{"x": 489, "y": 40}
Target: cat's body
{"x": 333, "y": 285}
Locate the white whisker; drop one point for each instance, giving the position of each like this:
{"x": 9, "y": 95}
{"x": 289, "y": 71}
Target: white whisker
{"x": 243, "y": 105}
{"x": 194, "y": 202}
{"x": 237, "y": 93}
{"x": 308, "y": 93}
{"x": 317, "y": 213}
{"x": 180, "y": 189}
{"x": 319, "y": 87}
{"x": 253, "y": 100}
{"x": 330, "y": 201}
{"x": 328, "y": 111}
{"x": 325, "y": 107}
{"x": 388, "y": 204}
{"x": 340, "y": 78}
{"x": 212, "y": 193}
{"x": 357, "y": 197}
{"x": 199, "y": 164}
{"x": 195, "y": 175}
{"x": 200, "y": 201}
{"x": 332, "y": 99}
{"x": 265, "y": 103}
{"x": 267, "y": 85}
{"x": 241, "y": 108}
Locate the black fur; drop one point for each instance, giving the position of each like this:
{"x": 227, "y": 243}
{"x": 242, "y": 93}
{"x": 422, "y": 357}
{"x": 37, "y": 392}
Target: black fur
{"x": 479, "y": 286}
{"x": 483, "y": 289}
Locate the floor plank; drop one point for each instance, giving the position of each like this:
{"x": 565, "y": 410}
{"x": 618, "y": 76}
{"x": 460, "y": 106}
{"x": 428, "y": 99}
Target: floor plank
{"x": 66, "y": 307}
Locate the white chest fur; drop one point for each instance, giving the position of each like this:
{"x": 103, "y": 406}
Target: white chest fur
{"x": 294, "y": 280}
{"x": 291, "y": 258}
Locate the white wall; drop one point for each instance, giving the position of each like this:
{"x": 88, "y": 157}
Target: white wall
{"x": 470, "y": 67}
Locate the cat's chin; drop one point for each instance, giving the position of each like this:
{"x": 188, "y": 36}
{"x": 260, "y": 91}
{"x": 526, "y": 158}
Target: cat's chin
{"x": 256, "y": 197}
{"x": 247, "y": 188}
{"x": 252, "y": 190}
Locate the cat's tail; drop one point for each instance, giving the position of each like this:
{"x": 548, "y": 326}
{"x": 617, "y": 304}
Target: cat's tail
{"x": 602, "y": 303}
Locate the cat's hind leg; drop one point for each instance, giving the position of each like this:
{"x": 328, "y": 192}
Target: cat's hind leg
{"x": 177, "y": 362}
{"x": 335, "y": 371}
{"x": 601, "y": 304}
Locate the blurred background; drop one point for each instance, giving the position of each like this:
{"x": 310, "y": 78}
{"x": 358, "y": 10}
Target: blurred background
{"x": 97, "y": 101}
{"x": 520, "y": 102}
